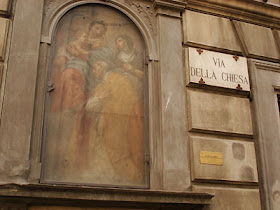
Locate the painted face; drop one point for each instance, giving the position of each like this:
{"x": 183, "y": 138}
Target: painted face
{"x": 97, "y": 30}
{"x": 83, "y": 37}
{"x": 121, "y": 44}
{"x": 99, "y": 69}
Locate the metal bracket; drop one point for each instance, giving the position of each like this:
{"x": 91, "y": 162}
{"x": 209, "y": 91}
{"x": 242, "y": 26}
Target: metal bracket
{"x": 50, "y": 87}
{"x": 147, "y": 159}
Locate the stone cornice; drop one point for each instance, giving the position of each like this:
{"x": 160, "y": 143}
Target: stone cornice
{"x": 171, "y": 8}
{"x": 267, "y": 66}
{"x": 246, "y": 10}
{"x": 170, "y": 4}
{"x": 53, "y": 194}
{"x": 250, "y": 11}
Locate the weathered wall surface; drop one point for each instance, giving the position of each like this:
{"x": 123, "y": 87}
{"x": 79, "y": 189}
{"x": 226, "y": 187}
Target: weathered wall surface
{"x": 5, "y": 29}
{"x": 230, "y": 198}
{"x": 234, "y": 110}
{"x": 20, "y": 83}
{"x": 267, "y": 79}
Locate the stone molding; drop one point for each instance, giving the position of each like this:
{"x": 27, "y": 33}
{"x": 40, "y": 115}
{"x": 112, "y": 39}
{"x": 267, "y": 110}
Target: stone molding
{"x": 7, "y": 12}
{"x": 244, "y": 10}
{"x": 143, "y": 8}
{"x": 262, "y": 92}
{"x": 171, "y": 8}
{"x": 145, "y": 11}
{"x": 52, "y": 195}
{"x": 267, "y": 66}
{"x": 170, "y": 4}
{"x": 125, "y": 6}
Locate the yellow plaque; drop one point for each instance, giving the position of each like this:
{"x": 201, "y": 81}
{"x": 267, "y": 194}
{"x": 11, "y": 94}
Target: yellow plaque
{"x": 212, "y": 158}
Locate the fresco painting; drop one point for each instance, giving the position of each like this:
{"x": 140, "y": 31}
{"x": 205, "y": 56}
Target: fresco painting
{"x": 95, "y": 123}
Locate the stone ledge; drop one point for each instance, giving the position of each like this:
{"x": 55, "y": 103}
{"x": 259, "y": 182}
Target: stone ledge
{"x": 244, "y": 10}
{"x": 267, "y": 66}
{"x": 33, "y": 194}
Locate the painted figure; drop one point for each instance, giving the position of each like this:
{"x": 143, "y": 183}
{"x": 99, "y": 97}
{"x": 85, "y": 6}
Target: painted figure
{"x": 128, "y": 58}
{"x": 67, "y": 124}
{"x": 131, "y": 63}
{"x": 78, "y": 47}
{"x": 114, "y": 99}
{"x": 97, "y": 31}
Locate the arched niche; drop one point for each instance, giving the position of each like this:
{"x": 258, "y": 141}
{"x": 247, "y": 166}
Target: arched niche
{"x": 95, "y": 126}
{"x": 147, "y": 29}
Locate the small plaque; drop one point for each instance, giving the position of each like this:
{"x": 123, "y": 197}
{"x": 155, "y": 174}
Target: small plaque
{"x": 217, "y": 69}
{"x": 211, "y": 158}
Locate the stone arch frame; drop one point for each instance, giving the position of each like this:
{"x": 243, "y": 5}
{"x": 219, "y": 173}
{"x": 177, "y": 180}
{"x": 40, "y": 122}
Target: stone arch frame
{"x": 44, "y": 86}
{"x": 52, "y": 21}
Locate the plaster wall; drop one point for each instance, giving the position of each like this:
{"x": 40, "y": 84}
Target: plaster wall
{"x": 175, "y": 162}
{"x": 219, "y": 113}
{"x": 209, "y": 30}
{"x": 267, "y": 79}
{"x": 219, "y": 118}
{"x": 235, "y": 198}
{"x": 252, "y": 34}
{"x": 17, "y": 111}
